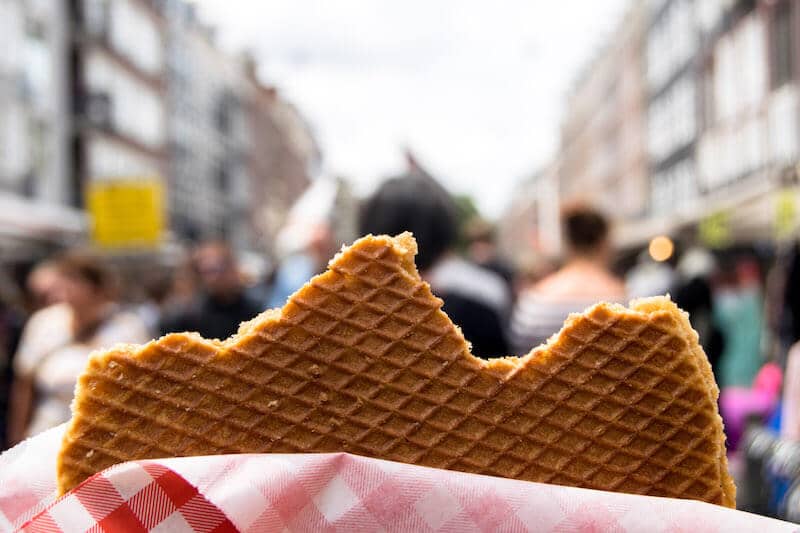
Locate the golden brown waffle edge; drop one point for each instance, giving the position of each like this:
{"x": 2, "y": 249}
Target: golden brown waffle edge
{"x": 362, "y": 359}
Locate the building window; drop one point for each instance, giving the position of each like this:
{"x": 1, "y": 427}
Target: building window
{"x": 96, "y": 17}
{"x": 707, "y": 83}
{"x": 28, "y": 185}
{"x": 781, "y": 49}
{"x": 223, "y": 113}
{"x": 223, "y": 178}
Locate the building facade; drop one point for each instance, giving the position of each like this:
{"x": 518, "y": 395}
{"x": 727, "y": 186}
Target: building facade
{"x": 95, "y": 92}
{"x": 530, "y": 229}
{"x": 207, "y": 131}
{"x": 749, "y": 146}
{"x": 672, "y": 58}
{"x": 723, "y": 115}
{"x": 119, "y": 88}
{"x": 602, "y": 156}
{"x": 37, "y": 204}
{"x": 239, "y": 153}
{"x": 690, "y": 114}
{"x": 284, "y": 163}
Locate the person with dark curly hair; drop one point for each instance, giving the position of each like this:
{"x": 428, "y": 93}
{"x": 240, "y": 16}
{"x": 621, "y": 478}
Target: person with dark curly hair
{"x": 475, "y": 298}
{"x": 584, "y": 280}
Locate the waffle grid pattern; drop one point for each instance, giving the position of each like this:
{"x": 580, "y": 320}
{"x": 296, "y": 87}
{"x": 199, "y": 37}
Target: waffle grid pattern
{"x": 363, "y": 360}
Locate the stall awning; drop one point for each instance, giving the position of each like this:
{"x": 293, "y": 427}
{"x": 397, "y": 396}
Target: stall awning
{"x": 749, "y": 205}
{"x": 27, "y": 223}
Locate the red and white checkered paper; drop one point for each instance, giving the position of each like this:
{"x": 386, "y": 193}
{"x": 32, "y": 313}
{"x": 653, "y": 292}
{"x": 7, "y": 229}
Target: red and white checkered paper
{"x": 324, "y": 492}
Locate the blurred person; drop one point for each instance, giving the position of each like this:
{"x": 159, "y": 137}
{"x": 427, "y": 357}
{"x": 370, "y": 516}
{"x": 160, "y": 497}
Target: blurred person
{"x": 183, "y": 288}
{"x": 692, "y": 292}
{"x": 308, "y": 249}
{"x": 49, "y": 318}
{"x": 57, "y": 340}
{"x": 738, "y": 309}
{"x": 777, "y": 317}
{"x": 476, "y": 299}
{"x": 649, "y": 277}
{"x": 791, "y": 300}
{"x": 156, "y": 292}
{"x": 260, "y": 282}
{"x": 223, "y": 302}
{"x": 42, "y": 285}
{"x": 533, "y": 268}
{"x": 482, "y": 250}
{"x": 790, "y": 416}
{"x": 584, "y": 280}
{"x": 11, "y": 318}
{"x": 739, "y": 406}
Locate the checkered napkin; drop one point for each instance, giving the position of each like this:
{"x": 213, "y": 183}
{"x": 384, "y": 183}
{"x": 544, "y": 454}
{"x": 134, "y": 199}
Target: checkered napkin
{"x": 324, "y": 492}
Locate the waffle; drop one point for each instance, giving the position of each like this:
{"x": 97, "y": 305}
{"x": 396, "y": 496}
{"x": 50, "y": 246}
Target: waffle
{"x": 362, "y": 359}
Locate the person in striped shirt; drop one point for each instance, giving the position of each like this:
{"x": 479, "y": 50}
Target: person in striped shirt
{"x": 584, "y": 280}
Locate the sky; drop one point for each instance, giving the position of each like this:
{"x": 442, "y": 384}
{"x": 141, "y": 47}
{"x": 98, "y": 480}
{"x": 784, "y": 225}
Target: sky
{"x": 475, "y": 89}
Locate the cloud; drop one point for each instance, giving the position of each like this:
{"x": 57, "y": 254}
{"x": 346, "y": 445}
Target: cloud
{"x": 476, "y": 89}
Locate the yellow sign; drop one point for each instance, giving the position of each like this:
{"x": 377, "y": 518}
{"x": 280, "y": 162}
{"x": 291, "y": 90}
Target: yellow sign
{"x": 714, "y": 230}
{"x": 126, "y": 213}
{"x": 785, "y": 213}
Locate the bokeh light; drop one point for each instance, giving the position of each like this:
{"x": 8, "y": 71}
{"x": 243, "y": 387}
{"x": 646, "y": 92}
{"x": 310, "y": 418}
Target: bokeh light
{"x": 661, "y": 248}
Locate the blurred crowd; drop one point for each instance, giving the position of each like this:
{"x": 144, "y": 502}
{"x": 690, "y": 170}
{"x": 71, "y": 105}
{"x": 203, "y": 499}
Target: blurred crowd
{"x": 745, "y": 308}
